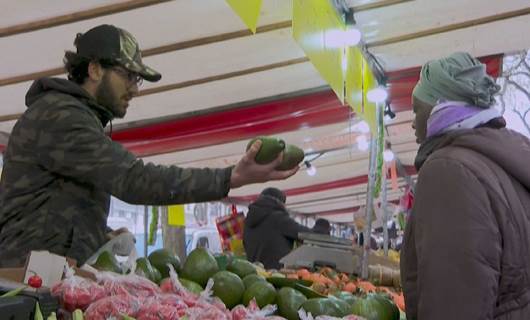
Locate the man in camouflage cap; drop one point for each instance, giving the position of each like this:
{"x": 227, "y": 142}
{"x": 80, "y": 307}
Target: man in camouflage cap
{"x": 60, "y": 168}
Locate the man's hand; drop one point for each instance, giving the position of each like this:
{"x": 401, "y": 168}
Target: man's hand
{"x": 247, "y": 171}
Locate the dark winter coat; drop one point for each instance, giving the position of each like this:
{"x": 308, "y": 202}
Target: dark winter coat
{"x": 60, "y": 169}
{"x": 269, "y": 232}
{"x": 466, "y": 253}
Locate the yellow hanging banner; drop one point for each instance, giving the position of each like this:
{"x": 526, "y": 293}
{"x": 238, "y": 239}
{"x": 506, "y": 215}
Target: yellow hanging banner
{"x": 248, "y": 11}
{"x": 176, "y": 216}
{"x": 317, "y": 28}
{"x": 359, "y": 80}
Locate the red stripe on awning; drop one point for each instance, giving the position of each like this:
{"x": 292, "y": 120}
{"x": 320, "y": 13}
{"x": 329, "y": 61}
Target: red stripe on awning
{"x": 342, "y": 183}
{"x": 291, "y": 114}
{"x": 341, "y": 211}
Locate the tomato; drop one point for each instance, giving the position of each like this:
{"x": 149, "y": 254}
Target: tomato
{"x": 35, "y": 281}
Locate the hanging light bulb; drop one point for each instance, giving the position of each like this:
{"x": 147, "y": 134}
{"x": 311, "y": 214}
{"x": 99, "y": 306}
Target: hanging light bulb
{"x": 342, "y": 38}
{"x": 352, "y": 37}
{"x": 363, "y": 127}
{"x": 362, "y": 143}
{"x": 388, "y": 155}
{"x": 311, "y": 169}
{"x": 377, "y": 95}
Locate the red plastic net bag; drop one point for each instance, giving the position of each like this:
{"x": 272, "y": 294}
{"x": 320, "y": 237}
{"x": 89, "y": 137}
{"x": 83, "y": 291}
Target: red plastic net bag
{"x": 77, "y": 293}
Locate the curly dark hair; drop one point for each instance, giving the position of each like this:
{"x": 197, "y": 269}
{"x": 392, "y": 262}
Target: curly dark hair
{"x": 77, "y": 66}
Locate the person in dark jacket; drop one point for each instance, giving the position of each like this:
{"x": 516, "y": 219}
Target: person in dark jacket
{"x": 466, "y": 250}
{"x": 321, "y": 226}
{"x": 60, "y": 168}
{"x": 270, "y": 232}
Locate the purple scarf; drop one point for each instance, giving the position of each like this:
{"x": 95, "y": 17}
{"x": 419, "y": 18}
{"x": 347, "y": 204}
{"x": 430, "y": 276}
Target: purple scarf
{"x": 456, "y": 115}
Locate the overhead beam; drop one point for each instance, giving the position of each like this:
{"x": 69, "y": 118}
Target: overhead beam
{"x": 158, "y": 50}
{"x": 77, "y": 16}
{"x": 377, "y": 4}
{"x": 180, "y": 85}
{"x": 215, "y": 38}
{"x": 450, "y": 27}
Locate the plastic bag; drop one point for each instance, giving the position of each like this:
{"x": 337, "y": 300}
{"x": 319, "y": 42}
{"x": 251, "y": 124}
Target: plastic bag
{"x": 253, "y": 312}
{"x": 113, "y": 307}
{"x": 199, "y": 307}
{"x": 163, "y": 307}
{"x": 130, "y": 284}
{"x": 204, "y": 313}
{"x": 173, "y": 285}
{"x": 77, "y": 293}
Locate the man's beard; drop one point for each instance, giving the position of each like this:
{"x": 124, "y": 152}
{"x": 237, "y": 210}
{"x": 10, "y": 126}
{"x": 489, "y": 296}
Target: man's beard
{"x": 106, "y": 97}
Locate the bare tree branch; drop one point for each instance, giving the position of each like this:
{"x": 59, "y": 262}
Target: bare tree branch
{"x": 519, "y": 87}
{"x": 520, "y": 73}
{"x": 525, "y": 63}
{"x": 523, "y": 118}
{"x": 515, "y": 66}
{"x": 501, "y": 95}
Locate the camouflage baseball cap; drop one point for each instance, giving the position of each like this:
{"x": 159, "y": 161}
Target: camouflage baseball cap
{"x": 117, "y": 45}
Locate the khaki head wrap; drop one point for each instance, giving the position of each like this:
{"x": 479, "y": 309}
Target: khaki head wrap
{"x": 459, "y": 77}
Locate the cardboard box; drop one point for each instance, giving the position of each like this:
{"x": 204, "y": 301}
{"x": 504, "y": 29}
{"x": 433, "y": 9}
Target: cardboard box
{"x": 50, "y": 267}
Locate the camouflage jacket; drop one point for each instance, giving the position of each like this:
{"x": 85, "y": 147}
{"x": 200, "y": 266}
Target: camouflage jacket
{"x": 60, "y": 169}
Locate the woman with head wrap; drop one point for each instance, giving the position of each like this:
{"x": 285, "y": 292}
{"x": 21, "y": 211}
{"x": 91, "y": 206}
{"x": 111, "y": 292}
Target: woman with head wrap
{"x": 466, "y": 252}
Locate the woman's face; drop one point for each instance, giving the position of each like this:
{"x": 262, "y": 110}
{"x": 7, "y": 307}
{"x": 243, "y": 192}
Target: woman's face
{"x": 422, "y": 111}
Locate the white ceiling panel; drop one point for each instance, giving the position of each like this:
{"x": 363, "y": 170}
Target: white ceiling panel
{"x": 419, "y": 15}
{"x": 18, "y": 12}
{"x": 503, "y": 36}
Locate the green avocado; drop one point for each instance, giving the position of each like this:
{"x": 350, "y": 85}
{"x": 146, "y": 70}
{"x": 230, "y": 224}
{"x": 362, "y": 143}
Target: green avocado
{"x": 228, "y": 287}
{"x": 160, "y": 258}
{"x": 345, "y": 296}
{"x": 280, "y": 282}
{"x": 145, "y": 269}
{"x": 289, "y": 302}
{"x": 191, "y": 286}
{"x": 375, "y": 307}
{"x": 251, "y": 278}
{"x": 241, "y": 267}
{"x": 107, "y": 262}
{"x": 292, "y": 156}
{"x": 307, "y": 291}
{"x": 344, "y": 307}
{"x": 262, "y": 291}
{"x": 322, "y": 307}
{"x": 270, "y": 149}
{"x": 199, "y": 266}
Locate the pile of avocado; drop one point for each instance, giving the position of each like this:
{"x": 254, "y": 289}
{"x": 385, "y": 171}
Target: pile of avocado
{"x": 240, "y": 283}
{"x": 153, "y": 267}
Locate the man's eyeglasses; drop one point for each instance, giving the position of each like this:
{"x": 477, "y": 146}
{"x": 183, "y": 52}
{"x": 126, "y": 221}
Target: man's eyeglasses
{"x": 131, "y": 77}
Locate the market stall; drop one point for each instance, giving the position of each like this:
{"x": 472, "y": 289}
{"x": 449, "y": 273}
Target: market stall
{"x": 233, "y": 73}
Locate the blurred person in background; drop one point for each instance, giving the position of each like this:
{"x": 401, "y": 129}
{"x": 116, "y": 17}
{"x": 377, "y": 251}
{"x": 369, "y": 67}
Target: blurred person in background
{"x": 322, "y": 226}
{"x": 270, "y": 233}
